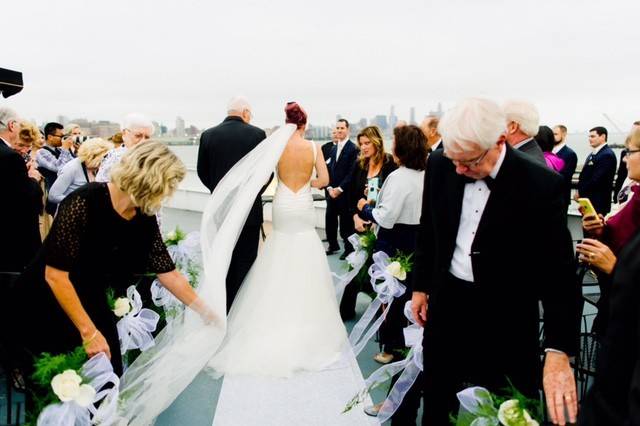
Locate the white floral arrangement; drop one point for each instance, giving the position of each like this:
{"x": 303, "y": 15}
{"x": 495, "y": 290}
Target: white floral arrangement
{"x": 479, "y": 406}
{"x": 68, "y": 386}
{"x": 121, "y": 307}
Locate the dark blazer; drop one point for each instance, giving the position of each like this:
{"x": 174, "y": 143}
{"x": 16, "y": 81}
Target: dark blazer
{"x": 533, "y": 149}
{"x": 359, "y": 181}
{"x": 614, "y": 398}
{"x": 22, "y": 203}
{"x": 621, "y": 176}
{"x": 326, "y": 149}
{"x": 570, "y": 163}
{"x": 596, "y": 179}
{"x": 221, "y": 147}
{"x": 341, "y": 171}
{"x": 525, "y": 214}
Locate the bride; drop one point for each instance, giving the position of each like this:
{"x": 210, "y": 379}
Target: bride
{"x": 285, "y": 317}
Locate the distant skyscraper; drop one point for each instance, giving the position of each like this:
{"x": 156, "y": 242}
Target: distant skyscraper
{"x": 393, "y": 118}
{"x": 380, "y": 121}
{"x": 179, "y": 126}
{"x": 437, "y": 113}
{"x": 412, "y": 115}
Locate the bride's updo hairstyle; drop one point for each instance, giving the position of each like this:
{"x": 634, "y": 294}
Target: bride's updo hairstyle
{"x": 295, "y": 114}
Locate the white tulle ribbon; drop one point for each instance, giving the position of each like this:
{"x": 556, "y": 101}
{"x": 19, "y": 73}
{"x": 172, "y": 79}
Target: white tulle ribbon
{"x": 356, "y": 259}
{"x": 411, "y": 367}
{"x": 388, "y": 288}
{"x": 98, "y": 373}
{"x": 135, "y": 328}
{"x": 477, "y": 402}
{"x": 186, "y": 251}
{"x": 160, "y": 296}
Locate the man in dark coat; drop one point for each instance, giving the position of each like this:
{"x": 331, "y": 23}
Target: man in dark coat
{"x": 474, "y": 271}
{"x": 522, "y": 125}
{"x": 596, "y": 177}
{"x": 221, "y": 147}
{"x": 568, "y": 155}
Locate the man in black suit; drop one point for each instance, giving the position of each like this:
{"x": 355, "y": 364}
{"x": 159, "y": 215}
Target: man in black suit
{"x": 613, "y": 400}
{"x": 21, "y": 197}
{"x": 221, "y": 147}
{"x": 328, "y": 146}
{"x": 429, "y": 127}
{"x": 342, "y": 160}
{"x": 479, "y": 277}
{"x": 522, "y": 125}
{"x": 562, "y": 150}
{"x": 596, "y": 177}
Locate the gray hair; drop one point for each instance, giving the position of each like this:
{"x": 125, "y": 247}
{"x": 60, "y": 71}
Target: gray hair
{"x": 137, "y": 121}
{"x": 7, "y": 115}
{"x": 525, "y": 114}
{"x": 473, "y": 121}
{"x": 237, "y": 105}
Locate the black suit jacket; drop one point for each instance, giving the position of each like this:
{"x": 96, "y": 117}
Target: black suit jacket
{"x": 221, "y": 147}
{"x": 533, "y": 149}
{"x": 570, "y": 163}
{"x": 22, "y": 203}
{"x": 341, "y": 171}
{"x": 524, "y": 219}
{"x": 326, "y": 149}
{"x": 614, "y": 398}
{"x": 596, "y": 179}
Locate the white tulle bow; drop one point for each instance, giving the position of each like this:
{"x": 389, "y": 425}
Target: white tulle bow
{"x": 356, "y": 259}
{"x": 99, "y": 374}
{"x": 388, "y": 289}
{"x": 411, "y": 367}
{"x": 477, "y": 402}
{"x": 186, "y": 251}
{"x": 135, "y": 328}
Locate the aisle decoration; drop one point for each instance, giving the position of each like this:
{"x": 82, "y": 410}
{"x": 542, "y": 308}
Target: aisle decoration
{"x": 136, "y": 324}
{"x": 357, "y": 262}
{"x": 386, "y": 274}
{"x": 479, "y": 407}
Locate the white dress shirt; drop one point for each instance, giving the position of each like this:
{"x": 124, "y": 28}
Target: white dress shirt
{"x": 7, "y": 143}
{"x": 474, "y": 201}
{"x": 597, "y": 149}
{"x": 558, "y": 147}
{"x": 340, "y": 146}
{"x": 436, "y": 145}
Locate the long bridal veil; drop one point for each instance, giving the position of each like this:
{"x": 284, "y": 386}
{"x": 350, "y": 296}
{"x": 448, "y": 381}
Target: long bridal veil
{"x": 161, "y": 373}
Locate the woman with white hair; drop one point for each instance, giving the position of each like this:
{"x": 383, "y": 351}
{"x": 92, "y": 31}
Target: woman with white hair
{"x": 61, "y": 298}
{"x": 136, "y": 128}
{"x": 80, "y": 170}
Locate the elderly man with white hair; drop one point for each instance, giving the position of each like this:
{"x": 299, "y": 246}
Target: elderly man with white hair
{"x": 523, "y": 123}
{"x": 221, "y": 147}
{"x": 477, "y": 281}
{"x": 136, "y": 128}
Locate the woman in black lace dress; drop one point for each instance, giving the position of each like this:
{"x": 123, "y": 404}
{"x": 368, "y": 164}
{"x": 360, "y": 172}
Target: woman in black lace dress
{"x": 104, "y": 234}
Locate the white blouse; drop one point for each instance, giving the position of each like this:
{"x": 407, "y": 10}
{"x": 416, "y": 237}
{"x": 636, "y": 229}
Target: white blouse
{"x": 400, "y": 199}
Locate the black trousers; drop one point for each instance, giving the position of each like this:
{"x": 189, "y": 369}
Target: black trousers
{"x": 244, "y": 254}
{"x": 336, "y": 214}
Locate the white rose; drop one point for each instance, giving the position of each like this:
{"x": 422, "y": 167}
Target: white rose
{"x": 85, "y": 396}
{"x": 171, "y": 235}
{"x": 363, "y": 242}
{"x": 395, "y": 269}
{"x": 66, "y": 385}
{"x": 510, "y": 414}
{"x": 122, "y": 307}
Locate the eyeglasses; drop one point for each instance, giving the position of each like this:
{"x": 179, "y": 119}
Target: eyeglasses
{"x": 632, "y": 151}
{"x": 468, "y": 163}
{"x": 139, "y": 135}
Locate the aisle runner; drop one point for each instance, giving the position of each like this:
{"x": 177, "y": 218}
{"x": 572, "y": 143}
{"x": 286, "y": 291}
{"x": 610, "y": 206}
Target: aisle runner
{"x": 310, "y": 399}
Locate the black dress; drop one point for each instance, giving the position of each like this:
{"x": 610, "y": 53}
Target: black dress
{"x": 100, "y": 250}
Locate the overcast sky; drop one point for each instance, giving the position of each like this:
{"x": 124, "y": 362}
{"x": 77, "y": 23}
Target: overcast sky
{"x": 575, "y": 59}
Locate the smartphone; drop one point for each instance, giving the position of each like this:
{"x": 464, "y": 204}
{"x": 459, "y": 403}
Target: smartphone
{"x": 372, "y": 189}
{"x": 586, "y": 207}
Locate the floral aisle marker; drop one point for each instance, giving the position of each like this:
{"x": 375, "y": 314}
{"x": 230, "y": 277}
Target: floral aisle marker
{"x": 357, "y": 261}
{"x": 76, "y": 392}
{"x": 386, "y": 274}
{"x": 136, "y": 324}
{"x": 478, "y": 406}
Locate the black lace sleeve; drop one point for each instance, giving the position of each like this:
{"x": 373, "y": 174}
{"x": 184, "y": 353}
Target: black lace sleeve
{"x": 63, "y": 244}
{"x": 159, "y": 260}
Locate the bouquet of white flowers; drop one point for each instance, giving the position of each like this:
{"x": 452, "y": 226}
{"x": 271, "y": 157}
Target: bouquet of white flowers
{"x": 478, "y": 406}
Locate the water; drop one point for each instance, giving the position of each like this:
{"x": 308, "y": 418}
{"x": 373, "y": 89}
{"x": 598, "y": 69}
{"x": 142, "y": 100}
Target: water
{"x": 579, "y": 142}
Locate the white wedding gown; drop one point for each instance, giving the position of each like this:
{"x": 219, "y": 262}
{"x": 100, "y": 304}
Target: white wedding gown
{"x": 285, "y": 317}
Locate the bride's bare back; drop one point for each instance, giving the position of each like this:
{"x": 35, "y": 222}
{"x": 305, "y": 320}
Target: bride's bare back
{"x": 297, "y": 162}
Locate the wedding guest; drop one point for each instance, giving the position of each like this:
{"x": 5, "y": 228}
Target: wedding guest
{"x": 326, "y": 147}
{"x": 622, "y": 184}
{"x": 522, "y": 125}
{"x": 342, "y": 161}
{"x": 22, "y": 200}
{"x": 596, "y": 177}
{"x": 470, "y": 254}
{"x": 613, "y": 398}
{"x": 136, "y": 128}
{"x": 397, "y": 216}
{"x": 116, "y": 139}
{"x": 54, "y": 154}
{"x": 60, "y": 300}
{"x": 372, "y": 169}
{"x": 28, "y": 136}
{"x": 80, "y": 170}
{"x": 562, "y": 150}
{"x": 221, "y": 147}
{"x": 429, "y": 127}
{"x": 608, "y": 236}
{"x": 546, "y": 141}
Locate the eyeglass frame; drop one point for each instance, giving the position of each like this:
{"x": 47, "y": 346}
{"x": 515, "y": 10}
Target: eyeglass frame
{"x": 468, "y": 163}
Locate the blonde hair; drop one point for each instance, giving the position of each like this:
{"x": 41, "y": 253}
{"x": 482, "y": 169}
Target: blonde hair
{"x": 149, "y": 173}
{"x": 374, "y": 135}
{"x": 29, "y": 133}
{"x": 633, "y": 140}
{"x": 93, "y": 151}
{"x": 70, "y": 128}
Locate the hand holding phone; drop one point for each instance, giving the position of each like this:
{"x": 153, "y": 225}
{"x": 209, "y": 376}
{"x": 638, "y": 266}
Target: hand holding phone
{"x": 586, "y": 208}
